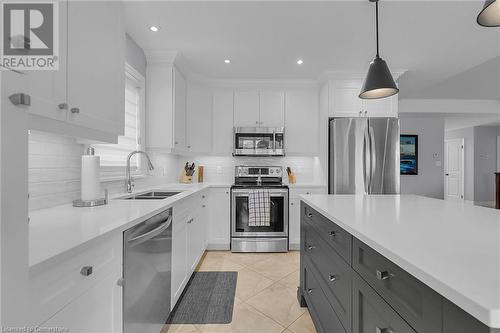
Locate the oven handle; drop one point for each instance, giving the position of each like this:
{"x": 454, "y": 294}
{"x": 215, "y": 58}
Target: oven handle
{"x": 271, "y": 192}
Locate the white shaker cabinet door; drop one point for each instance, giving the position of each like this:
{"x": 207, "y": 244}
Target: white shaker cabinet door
{"x": 199, "y": 119}
{"x": 246, "y": 108}
{"x": 97, "y": 310}
{"x": 96, "y": 65}
{"x": 223, "y": 103}
{"x": 219, "y": 224}
{"x": 302, "y": 122}
{"x": 48, "y": 88}
{"x": 272, "y": 108}
{"x": 180, "y": 93}
{"x": 344, "y": 99}
{"x": 383, "y": 107}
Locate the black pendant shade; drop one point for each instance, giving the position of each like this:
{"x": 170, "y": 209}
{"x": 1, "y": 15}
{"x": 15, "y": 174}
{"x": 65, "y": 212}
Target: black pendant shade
{"x": 378, "y": 82}
{"x": 490, "y": 15}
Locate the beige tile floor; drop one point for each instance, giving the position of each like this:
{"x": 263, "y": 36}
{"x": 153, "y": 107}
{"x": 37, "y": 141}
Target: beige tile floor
{"x": 266, "y": 300}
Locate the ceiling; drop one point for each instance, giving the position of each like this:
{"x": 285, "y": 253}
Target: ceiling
{"x": 434, "y": 41}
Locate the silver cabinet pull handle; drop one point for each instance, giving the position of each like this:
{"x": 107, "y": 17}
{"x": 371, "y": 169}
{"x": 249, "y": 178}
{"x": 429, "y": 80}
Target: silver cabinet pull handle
{"x": 309, "y": 291}
{"x": 333, "y": 278}
{"x": 20, "y": 99}
{"x": 86, "y": 270}
{"x": 311, "y": 247}
{"x": 203, "y": 206}
{"x": 63, "y": 106}
{"x": 190, "y": 221}
{"x": 384, "y": 275}
{"x": 75, "y": 110}
{"x": 333, "y": 233}
{"x": 383, "y": 330}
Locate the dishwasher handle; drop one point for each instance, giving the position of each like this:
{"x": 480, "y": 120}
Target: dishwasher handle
{"x": 150, "y": 234}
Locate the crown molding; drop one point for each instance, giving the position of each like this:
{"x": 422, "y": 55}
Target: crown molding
{"x": 159, "y": 56}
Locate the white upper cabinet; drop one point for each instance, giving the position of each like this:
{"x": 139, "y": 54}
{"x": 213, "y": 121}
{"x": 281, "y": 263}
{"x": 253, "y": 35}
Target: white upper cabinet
{"x": 344, "y": 101}
{"x": 48, "y": 88}
{"x": 199, "y": 118}
{"x": 223, "y": 103}
{"x": 302, "y": 121}
{"x": 180, "y": 94}
{"x": 272, "y": 108}
{"x": 246, "y": 108}
{"x": 265, "y": 108}
{"x": 96, "y": 65}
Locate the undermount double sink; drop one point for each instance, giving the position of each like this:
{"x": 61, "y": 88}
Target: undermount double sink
{"x": 151, "y": 195}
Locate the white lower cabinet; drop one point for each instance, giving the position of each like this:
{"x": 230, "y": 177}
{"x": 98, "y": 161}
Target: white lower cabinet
{"x": 188, "y": 240}
{"x": 220, "y": 219}
{"x": 62, "y": 295}
{"x": 98, "y": 311}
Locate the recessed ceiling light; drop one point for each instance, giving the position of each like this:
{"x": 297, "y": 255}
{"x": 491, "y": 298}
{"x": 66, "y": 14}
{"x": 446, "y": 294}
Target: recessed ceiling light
{"x": 300, "y": 61}
{"x": 154, "y": 28}
{"x": 227, "y": 61}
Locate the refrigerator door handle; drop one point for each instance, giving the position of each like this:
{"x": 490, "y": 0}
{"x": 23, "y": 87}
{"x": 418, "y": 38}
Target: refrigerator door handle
{"x": 372, "y": 159}
{"x": 366, "y": 161}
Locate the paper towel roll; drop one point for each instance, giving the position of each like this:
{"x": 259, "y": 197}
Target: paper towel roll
{"x": 91, "y": 184}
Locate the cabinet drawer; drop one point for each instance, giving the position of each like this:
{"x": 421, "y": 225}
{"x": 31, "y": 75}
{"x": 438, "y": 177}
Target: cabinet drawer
{"x": 419, "y": 305}
{"x": 372, "y": 314}
{"x": 323, "y": 316}
{"x": 56, "y": 285}
{"x": 334, "y": 273}
{"x": 336, "y": 237}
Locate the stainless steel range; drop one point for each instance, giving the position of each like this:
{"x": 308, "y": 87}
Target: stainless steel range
{"x": 271, "y": 236}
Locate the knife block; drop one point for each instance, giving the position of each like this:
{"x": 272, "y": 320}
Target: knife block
{"x": 292, "y": 179}
{"x": 185, "y": 179}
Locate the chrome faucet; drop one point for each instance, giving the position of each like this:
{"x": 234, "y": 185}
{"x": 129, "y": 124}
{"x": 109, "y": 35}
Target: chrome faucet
{"x": 128, "y": 178}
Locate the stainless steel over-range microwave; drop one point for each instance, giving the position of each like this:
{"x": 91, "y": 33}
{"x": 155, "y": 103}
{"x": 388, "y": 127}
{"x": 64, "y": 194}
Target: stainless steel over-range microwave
{"x": 259, "y": 141}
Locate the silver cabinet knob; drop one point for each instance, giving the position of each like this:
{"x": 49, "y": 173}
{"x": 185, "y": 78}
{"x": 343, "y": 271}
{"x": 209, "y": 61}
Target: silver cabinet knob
{"x": 311, "y": 247}
{"x": 63, "y": 106}
{"x": 75, "y": 110}
{"x": 383, "y": 275}
{"x": 86, "y": 270}
{"x": 309, "y": 291}
{"x": 20, "y": 99}
{"x": 203, "y": 197}
{"x": 383, "y": 330}
{"x": 291, "y": 203}
{"x": 256, "y": 123}
{"x": 120, "y": 282}
{"x": 204, "y": 206}
{"x": 333, "y": 277}
{"x": 309, "y": 215}
{"x": 189, "y": 147}
{"x": 176, "y": 142}
{"x": 333, "y": 233}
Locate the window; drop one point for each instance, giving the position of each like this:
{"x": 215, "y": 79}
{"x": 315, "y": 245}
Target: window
{"x": 114, "y": 156}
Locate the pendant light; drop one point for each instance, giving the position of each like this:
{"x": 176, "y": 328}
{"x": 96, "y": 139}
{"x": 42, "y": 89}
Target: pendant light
{"x": 490, "y": 15}
{"x": 378, "y": 82}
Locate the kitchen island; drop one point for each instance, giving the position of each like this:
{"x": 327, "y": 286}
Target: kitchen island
{"x": 399, "y": 263}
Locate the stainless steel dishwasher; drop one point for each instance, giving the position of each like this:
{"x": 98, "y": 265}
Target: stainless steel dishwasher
{"x": 147, "y": 268}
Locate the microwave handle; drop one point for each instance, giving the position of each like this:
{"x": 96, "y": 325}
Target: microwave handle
{"x": 274, "y": 140}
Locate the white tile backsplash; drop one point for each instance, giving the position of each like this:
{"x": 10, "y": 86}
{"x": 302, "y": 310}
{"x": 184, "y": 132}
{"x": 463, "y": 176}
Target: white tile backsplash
{"x": 54, "y": 168}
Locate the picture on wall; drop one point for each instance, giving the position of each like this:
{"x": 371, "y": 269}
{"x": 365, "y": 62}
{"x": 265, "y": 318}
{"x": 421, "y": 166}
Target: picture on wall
{"x": 409, "y": 154}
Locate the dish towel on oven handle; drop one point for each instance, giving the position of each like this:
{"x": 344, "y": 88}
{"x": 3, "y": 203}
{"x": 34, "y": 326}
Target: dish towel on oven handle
{"x": 259, "y": 208}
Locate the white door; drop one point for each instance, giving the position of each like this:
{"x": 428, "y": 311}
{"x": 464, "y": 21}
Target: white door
{"x": 246, "y": 108}
{"x": 302, "y": 121}
{"x": 223, "y": 102}
{"x": 96, "y": 65}
{"x": 454, "y": 169}
{"x": 180, "y": 94}
{"x": 272, "y": 109}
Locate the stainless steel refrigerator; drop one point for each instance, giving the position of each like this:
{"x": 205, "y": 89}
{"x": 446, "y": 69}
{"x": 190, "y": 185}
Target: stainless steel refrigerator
{"x": 363, "y": 156}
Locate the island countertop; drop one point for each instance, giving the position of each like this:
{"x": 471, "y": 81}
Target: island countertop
{"x": 452, "y": 247}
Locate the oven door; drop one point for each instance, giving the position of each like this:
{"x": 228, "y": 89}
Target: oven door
{"x": 279, "y": 215}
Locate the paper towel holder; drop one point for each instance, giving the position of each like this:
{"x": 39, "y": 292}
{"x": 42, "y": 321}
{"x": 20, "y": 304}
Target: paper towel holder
{"x": 92, "y": 203}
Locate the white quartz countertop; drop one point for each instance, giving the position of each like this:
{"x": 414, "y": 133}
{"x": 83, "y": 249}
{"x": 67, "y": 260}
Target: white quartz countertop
{"x": 58, "y": 230}
{"x": 452, "y": 247}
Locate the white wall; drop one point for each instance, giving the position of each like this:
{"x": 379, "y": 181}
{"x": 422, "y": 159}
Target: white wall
{"x": 134, "y": 55}
{"x": 468, "y": 135}
{"x": 485, "y": 149}
{"x": 430, "y": 178}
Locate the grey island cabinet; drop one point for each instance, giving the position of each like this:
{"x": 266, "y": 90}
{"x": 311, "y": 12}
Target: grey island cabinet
{"x": 351, "y": 288}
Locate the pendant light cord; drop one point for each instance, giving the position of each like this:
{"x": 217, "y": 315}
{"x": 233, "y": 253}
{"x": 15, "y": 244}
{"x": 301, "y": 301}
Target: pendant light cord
{"x": 376, "y": 20}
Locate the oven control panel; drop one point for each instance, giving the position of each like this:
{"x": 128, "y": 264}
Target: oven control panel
{"x": 255, "y": 171}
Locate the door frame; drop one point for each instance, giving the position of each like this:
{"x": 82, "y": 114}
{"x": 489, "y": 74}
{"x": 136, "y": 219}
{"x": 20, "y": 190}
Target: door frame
{"x": 462, "y": 168}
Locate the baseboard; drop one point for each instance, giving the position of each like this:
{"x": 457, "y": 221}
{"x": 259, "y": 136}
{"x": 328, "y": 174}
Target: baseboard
{"x": 489, "y": 204}
{"x": 218, "y": 247}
